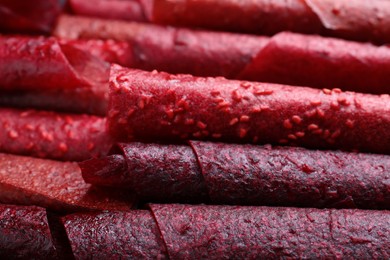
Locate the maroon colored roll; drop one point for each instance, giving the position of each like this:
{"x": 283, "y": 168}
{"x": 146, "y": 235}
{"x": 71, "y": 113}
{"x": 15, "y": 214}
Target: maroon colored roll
{"x": 286, "y": 58}
{"x": 25, "y": 233}
{"x": 51, "y": 75}
{"x": 56, "y": 185}
{"x": 355, "y": 20}
{"x": 53, "y": 135}
{"x": 244, "y": 175}
{"x": 119, "y": 235}
{"x": 225, "y": 232}
{"x": 160, "y": 106}
{"x": 22, "y": 16}
{"x": 131, "y": 10}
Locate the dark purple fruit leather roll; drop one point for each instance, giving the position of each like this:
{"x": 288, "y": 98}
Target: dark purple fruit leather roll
{"x": 230, "y": 232}
{"x": 245, "y": 175}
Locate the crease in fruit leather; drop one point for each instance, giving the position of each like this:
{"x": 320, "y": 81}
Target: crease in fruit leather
{"x": 32, "y": 17}
{"x": 220, "y": 173}
{"x": 43, "y": 73}
{"x": 286, "y": 58}
{"x": 47, "y": 134}
{"x": 152, "y": 106}
{"x": 55, "y": 185}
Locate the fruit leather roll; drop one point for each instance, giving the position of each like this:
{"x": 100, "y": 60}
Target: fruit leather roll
{"x": 29, "y": 16}
{"x": 44, "y": 73}
{"x": 25, "y": 233}
{"x": 286, "y": 58}
{"x": 244, "y": 174}
{"x": 226, "y": 232}
{"x": 354, "y": 19}
{"x": 56, "y": 185}
{"x": 53, "y": 135}
{"x": 111, "y": 9}
{"x": 161, "y": 106}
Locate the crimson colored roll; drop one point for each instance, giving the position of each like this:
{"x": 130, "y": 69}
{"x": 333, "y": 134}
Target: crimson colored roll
{"x": 244, "y": 175}
{"x": 25, "y": 233}
{"x": 285, "y": 58}
{"x": 161, "y": 106}
{"x": 110, "y": 9}
{"x": 20, "y": 16}
{"x": 53, "y": 135}
{"x": 226, "y": 232}
{"x": 349, "y": 19}
{"x": 52, "y": 75}
{"x": 54, "y": 185}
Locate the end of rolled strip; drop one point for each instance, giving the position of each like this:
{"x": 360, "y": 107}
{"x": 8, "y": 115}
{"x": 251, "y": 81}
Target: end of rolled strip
{"x": 100, "y": 171}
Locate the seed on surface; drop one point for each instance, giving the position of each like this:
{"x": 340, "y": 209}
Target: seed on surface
{"x": 244, "y": 118}
{"x": 201, "y": 125}
{"x": 233, "y": 121}
{"x": 296, "y": 119}
{"x": 312, "y": 127}
{"x": 287, "y": 124}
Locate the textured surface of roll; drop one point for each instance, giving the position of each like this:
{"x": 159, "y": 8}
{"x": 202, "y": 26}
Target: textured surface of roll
{"x": 19, "y": 16}
{"x": 55, "y": 185}
{"x": 52, "y": 75}
{"x": 286, "y": 58}
{"x": 245, "y": 175}
{"x": 161, "y": 106}
{"x": 66, "y": 137}
{"x": 131, "y": 10}
{"x": 123, "y": 235}
{"x": 25, "y": 233}
{"x": 355, "y": 20}
{"x": 216, "y": 232}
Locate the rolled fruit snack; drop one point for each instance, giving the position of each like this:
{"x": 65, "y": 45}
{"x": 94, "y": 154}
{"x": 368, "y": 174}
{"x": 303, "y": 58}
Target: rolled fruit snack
{"x": 43, "y": 73}
{"x": 239, "y": 232}
{"x": 55, "y": 185}
{"x": 352, "y": 19}
{"x": 66, "y": 137}
{"x": 20, "y": 16}
{"x": 160, "y": 106}
{"x": 286, "y": 58}
{"x": 25, "y": 233}
{"x": 244, "y": 175}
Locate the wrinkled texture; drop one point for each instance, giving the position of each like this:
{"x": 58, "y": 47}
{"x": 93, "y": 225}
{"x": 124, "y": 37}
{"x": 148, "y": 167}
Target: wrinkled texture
{"x": 161, "y": 106}
{"x": 164, "y": 173}
{"x": 54, "y": 185}
{"x": 25, "y": 233}
{"x": 286, "y": 58}
{"x": 118, "y": 235}
{"x": 53, "y": 135}
{"x": 245, "y": 175}
{"x": 352, "y": 19}
{"x": 38, "y": 16}
{"x": 223, "y": 232}
{"x": 51, "y": 75}
{"x": 110, "y": 9}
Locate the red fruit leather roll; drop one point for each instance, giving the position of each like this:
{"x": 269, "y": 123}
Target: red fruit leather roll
{"x": 286, "y": 58}
{"x": 53, "y": 135}
{"x": 110, "y": 9}
{"x": 160, "y": 106}
{"x": 321, "y": 62}
{"x": 169, "y": 49}
{"x": 56, "y": 185}
{"x": 244, "y": 175}
{"x": 29, "y": 16}
{"x": 223, "y": 232}
{"x": 49, "y": 74}
{"x": 121, "y": 235}
{"x": 25, "y": 233}
{"x": 355, "y": 20}
{"x": 226, "y": 232}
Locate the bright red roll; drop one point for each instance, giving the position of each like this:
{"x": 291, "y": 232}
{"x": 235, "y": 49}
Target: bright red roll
{"x": 161, "y": 106}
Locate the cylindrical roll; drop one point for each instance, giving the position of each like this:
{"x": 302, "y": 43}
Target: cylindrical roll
{"x": 160, "y": 106}
{"x": 215, "y": 232}
{"x": 52, "y": 135}
{"x": 244, "y": 175}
